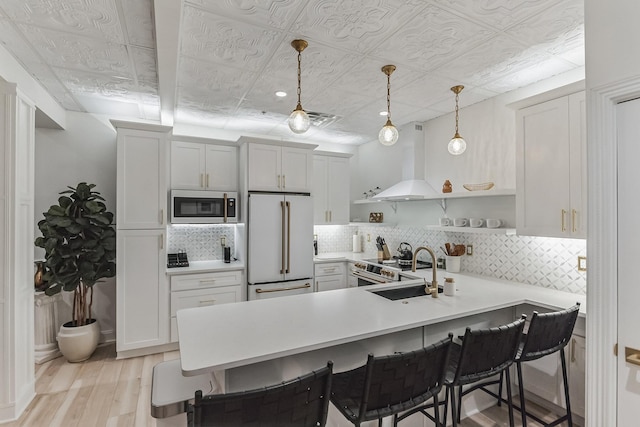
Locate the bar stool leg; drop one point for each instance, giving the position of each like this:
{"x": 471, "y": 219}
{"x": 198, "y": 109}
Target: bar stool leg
{"x": 446, "y": 406}
{"x": 523, "y": 412}
{"x": 509, "y": 398}
{"x": 454, "y": 412}
{"x": 500, "y": 390}
{"x": 436, "y": 411}
{"x": 459, "y": 403}
{"x": 566, "y": 388}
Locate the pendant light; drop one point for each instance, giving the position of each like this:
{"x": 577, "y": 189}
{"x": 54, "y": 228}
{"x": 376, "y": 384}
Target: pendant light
{"x": 457, "y": 145}
{"x": 388, "y": 134}
{"x": 299, "y": 121}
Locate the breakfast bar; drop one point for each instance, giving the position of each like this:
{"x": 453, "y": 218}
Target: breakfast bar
{"x": 257, "y": 343}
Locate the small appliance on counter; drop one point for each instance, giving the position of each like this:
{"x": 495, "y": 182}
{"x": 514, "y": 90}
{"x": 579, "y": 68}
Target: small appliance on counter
{"x": 227, "y": 254}
{"x": 177, "y": 260}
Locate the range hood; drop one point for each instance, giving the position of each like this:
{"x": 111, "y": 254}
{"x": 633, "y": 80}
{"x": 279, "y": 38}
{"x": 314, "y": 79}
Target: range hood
{"x": 413, "y": 186}
{"x": 410, "y": 189}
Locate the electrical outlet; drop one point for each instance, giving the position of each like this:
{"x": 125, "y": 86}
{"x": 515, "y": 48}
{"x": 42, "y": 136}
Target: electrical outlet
{"x": 368, "y": 237}
{"x": 223, "y": 241}
{"x": 469, "y": 249}
{"x": 582, "y": 263}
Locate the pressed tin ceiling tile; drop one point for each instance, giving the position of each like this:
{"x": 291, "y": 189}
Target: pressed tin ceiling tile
{"x": 230, "y": 56}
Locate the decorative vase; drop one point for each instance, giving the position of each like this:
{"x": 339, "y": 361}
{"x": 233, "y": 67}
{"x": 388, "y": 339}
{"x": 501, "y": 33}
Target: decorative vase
{"x": 38, "y": 279}
{"x": 77, "y": 343}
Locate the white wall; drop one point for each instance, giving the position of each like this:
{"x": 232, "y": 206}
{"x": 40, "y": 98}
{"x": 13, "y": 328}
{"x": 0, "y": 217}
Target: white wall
{"x": 84, "y": 151}
{"x": 611, "y": 38}
{"x": 488, "y": 127}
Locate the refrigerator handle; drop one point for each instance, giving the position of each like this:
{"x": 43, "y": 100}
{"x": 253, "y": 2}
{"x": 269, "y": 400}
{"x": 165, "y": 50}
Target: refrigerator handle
{"x": 288, "y": 236}
{"x": 282, "y": 238}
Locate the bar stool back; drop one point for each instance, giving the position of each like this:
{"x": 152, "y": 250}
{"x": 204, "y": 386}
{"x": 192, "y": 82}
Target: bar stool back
{"x": 387, "y": 385}
{"x": 548, "y": 333}
{"x": 484, "y": 353}
{"x": 301, "y": 402}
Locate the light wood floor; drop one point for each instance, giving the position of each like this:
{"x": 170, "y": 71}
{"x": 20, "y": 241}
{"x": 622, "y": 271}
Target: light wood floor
{"x": 104, "y": 391}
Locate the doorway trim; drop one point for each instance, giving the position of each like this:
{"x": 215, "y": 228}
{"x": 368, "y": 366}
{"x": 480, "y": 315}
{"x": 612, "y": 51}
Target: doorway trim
{"x": 602, "y": 248}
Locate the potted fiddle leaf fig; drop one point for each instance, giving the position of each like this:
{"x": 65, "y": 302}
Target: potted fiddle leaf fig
{"x": 80, "y": 247}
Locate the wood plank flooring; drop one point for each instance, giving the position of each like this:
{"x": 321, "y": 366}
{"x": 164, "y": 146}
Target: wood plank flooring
{"x": 107, "y": 392}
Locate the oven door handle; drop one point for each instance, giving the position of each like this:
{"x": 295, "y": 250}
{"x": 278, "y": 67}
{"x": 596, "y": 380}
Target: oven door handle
{"x": 362, "y": 276}
{"x": 262, "y": 291}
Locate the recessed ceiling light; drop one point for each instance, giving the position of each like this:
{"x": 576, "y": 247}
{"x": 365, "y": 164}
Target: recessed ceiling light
{"x": 281, "y": 93}
{"x": 384, "y": 113}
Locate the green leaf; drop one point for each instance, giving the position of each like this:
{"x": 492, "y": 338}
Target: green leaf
{"x": 56, "y": 211}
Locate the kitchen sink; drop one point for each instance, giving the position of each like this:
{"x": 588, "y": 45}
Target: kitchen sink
{"x": 403, "y": 293}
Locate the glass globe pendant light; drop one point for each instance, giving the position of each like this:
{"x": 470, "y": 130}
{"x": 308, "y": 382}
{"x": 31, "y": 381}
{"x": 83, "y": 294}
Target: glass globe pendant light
{"x": 457, "y": 145}
{"x": 299, "y": 121}
{"x": 388, "y": 135}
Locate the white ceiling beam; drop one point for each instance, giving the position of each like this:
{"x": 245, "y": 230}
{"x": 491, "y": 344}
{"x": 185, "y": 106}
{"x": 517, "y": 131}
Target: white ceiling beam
{"x": 167, "y": 20}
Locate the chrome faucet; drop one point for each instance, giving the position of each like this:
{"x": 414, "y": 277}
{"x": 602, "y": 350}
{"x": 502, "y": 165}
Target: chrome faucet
{"x": 433, "y": 290}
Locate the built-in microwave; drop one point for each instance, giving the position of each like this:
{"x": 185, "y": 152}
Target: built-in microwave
{"x": 204, "y": 207}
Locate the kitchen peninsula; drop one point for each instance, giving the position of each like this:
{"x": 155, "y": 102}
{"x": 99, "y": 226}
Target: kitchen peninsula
{"x": 255, "y": 343}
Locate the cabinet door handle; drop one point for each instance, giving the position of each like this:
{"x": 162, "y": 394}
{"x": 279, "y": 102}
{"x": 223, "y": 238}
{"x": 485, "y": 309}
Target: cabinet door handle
{"x": 207, "y": 180}
{"x": 326, "y": 216}
{"x": 573, "y": 220}
{"x": 161, "y": 216}
{"x": 278, "y": 181}
{"x": 632, "y": 355}
{"x": 573, "y": 350}
{"x": 283, "y": 182}
{"x": 202, "y": 282}
{"x": 329, "y": 270}
{"x": 207, "y": 301}
{"x": 201, "y": 180}
{"x": 563, "y": 228}
{"x": 330, "y": 219}
{"x": 161, "y": 240}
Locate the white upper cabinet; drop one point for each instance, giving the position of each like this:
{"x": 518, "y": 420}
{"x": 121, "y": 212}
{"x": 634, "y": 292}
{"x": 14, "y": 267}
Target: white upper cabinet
{"x": 551, "y": 168}
{"x": 141, "y": 177}
{"x": 279, "y": 168}
{"x": 330, "y": 189}
{"x": 199, "y": 166}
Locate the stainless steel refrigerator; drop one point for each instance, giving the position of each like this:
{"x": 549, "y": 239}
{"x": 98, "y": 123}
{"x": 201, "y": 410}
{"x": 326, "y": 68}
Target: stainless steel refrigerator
{"x": 280, "y": 245}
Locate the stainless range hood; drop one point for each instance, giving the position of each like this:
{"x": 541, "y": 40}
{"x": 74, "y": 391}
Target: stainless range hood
{"x": 413, "y": 186}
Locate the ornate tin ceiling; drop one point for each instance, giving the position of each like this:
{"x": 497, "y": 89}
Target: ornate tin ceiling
{"x": 218, "y": 63}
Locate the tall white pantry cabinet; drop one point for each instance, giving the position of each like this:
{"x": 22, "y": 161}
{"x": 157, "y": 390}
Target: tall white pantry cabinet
{"x": 142, "y": 301}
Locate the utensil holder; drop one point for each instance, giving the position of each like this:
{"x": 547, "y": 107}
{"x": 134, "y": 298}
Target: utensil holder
{"x": 453, "y": 264}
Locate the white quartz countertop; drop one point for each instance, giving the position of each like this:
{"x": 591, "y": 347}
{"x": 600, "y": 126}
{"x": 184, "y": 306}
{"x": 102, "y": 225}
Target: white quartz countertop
{"x": 205, "y": 267}
{"x": 231, "y": 335}
{"x": 343, "y": 256}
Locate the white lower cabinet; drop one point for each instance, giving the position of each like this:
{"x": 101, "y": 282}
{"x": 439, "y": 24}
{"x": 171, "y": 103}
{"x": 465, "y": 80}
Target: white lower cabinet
{"x": 142, "y": 306}
{"x": 203, "y": 289}
{"x": 329, "y": 276}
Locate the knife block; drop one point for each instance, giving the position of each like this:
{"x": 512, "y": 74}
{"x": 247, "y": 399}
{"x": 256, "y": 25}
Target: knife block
{"x": 384, "y": 253}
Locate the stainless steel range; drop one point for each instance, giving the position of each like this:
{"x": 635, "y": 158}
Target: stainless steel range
{"x": 374, "y": 272}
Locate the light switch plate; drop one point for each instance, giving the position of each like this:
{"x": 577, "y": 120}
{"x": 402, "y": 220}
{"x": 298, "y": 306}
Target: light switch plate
{"x": 582, "y": 263}
{"x": 469, "y": 249}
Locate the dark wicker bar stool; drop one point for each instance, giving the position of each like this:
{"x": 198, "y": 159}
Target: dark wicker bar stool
{"x": 548, "y": 333}
{"x": 483, "y": 354}
{"x": 302, "y": 402}
{"x": 388, "y": 385}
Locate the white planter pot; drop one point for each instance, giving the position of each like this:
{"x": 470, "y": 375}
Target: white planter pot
{"x": 77, "y": 343}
